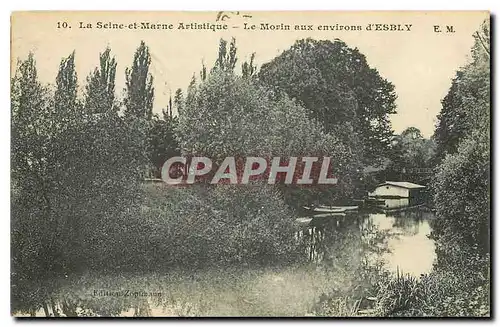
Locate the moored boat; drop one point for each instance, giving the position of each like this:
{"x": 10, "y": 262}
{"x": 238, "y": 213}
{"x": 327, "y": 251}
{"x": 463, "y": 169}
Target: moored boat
{"x": 303, "y": 220}
{"x": 329, "y": 214}
{"x": 331, "y": 209}
{"x": 346, "y": 208}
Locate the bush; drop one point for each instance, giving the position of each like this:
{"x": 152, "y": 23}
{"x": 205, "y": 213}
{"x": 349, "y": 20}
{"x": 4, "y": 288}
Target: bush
{"x": 224, "y": 224}
{"x": 441, "y": 293}
{"x": 199, "y": 226}
{"x": 462, "y": 199}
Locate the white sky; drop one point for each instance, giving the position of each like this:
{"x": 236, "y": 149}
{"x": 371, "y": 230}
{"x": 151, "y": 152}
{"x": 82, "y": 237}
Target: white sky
{"x": 419, "y": 63}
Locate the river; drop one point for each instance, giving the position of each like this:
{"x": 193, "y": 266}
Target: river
{"x": 395, "y": 233}
{"x": 337, "y": 249}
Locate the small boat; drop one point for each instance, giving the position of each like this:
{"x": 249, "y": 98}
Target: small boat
{"x": 332, "y": 208}
{"x": 346, "y": 208}
{"x": 329, "y": 209}
{"x": 324, "y": 209}
{"x": 304, "y": 220}
{"x": 330, "y": 214}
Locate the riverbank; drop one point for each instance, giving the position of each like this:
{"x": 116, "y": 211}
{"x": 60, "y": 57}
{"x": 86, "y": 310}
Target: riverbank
{"x": 291, "y": 291}
{"x": 339, "y": 272}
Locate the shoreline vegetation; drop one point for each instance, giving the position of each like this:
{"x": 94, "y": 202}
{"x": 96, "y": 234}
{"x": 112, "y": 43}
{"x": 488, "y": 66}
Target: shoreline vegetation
{"x": 83, "y": 220}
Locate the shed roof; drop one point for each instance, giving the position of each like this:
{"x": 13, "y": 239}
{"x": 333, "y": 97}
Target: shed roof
{"x": 407, "y": 185}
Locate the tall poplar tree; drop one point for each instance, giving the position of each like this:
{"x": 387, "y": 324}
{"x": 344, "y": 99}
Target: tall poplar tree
{"x": 100, "y": 88}
{"x": 65, "y": 96}
{"x": 139, "y": 85}
{"x": 226, "y": 59}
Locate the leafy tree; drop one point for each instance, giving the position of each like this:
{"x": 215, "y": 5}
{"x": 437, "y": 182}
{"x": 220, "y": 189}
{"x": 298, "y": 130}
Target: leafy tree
{"x": 178, "y": 98}
{"x": 66, "y": 85}
{"x": 71, "y": 186}
{"x": 162, "y": 142}
{"x": 203, "y": 72}
{"x": 248, "y": 69}
{"x": 336, "y": 85}
{"x": 226, "y": 59}
{"x": 467, "y": 99}
{"x": 462, "y": 183}
{"x": 462, "y": 188}
{"x": 139, "y": 104}
{"x": 31, "y": 208}
{"x": 219, "y": 226}
{"x": 410, "y": 150}
{"x": 228, "y": 115}
{"x": 459, "y": 284}
{"x": 100, "y": 88}
{"x": 139, "y": 85}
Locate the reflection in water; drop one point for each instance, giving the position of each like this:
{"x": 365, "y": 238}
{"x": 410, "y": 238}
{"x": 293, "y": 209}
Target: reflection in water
{"x": 411, "y": 250}
{"x": 333, "y": 239}
{"x": 337, "y": 245}
{"x": 399, "y": 238}
{"x": 401, "y": 203}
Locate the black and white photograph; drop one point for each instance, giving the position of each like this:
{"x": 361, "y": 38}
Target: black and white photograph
{"x": 317, "y": 164}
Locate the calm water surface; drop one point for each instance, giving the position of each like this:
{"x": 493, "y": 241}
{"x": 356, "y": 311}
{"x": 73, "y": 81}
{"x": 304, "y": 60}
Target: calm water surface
{"x": 395, "y": 233}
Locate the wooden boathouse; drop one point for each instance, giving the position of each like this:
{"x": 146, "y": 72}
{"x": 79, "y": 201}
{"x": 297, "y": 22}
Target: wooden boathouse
{"x": 397, "y": 190}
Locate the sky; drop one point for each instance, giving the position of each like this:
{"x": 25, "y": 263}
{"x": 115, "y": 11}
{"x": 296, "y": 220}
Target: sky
{"x": 420, "y": 62}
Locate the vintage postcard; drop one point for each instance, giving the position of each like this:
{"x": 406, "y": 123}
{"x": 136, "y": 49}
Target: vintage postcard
{"x": 250, "y": 164}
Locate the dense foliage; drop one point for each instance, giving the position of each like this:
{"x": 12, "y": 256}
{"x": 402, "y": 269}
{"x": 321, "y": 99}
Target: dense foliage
{"x": 70, "y": 181}
{"x": 411, "y": 158}
{"x": 462, "y": 183}
{"x": 230, "y": 115}
{"x": 83, "y": 200}
{"x": 459, "y": 285}
{"x": 338, "y": 88}
{"x": 466, "y": 107}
